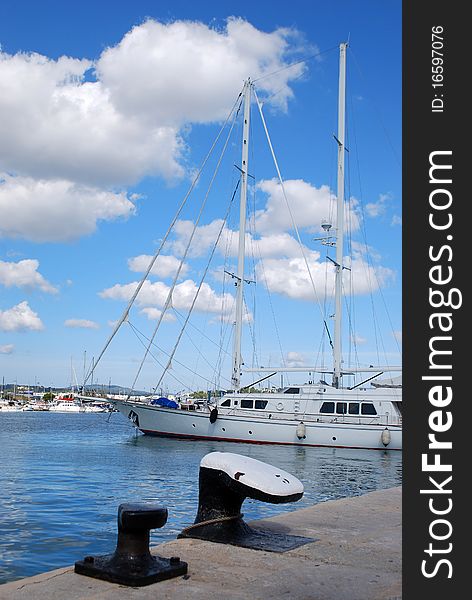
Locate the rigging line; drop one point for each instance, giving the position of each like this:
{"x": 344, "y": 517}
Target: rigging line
{"x": 167, "y": 354}
{"x": 200, "y": 353}
{"x": 378, "y": 113}
{"x": 200, "y": 331}
{"x": 294, "y": 225}
{"x": 179, "y": 337}
{"x": 189, "y": 243}
{"x": 302, "y": 60}
{"x": 277, "y": 335}
{"x": 125, "y": 314}
{"x": 138, "y": 333}
{"x": 364, "y": 235}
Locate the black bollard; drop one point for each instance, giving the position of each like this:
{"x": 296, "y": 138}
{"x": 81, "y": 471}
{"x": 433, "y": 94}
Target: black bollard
{"x": 225, "y": 481}
{"x": 132, "y": 563}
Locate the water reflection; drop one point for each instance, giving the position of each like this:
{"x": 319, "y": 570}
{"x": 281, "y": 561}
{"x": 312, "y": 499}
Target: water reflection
{"x": 65, "y": 476}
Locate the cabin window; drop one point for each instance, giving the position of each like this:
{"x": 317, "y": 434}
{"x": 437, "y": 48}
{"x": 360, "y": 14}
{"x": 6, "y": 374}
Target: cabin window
{"x": 292, "y": 391}
{"x": 368, "y": 409}
{"x": 327, "y": 407}
{"x": 260, "y": 404}
{"x": 341, "y": 408}
{"x": 247, "y": 403}
{"x": 353, "y": 408}
{"x": 226, "y": 402}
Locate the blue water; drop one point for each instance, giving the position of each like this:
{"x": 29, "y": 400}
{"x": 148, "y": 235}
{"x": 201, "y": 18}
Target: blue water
{"x": 62, "y": 477}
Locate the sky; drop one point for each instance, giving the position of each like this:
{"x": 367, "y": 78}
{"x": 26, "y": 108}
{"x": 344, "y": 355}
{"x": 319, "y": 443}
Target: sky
{"x": 107, "y": 110}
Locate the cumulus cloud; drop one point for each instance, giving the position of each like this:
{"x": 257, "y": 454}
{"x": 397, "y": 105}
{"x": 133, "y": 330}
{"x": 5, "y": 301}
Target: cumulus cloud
{"x": 275, "y": 244}
{"x": 20, "y": 318}
{"x": 81, "y": 324}
{"x": 309, "y": 205}
{"x": 165, "y": 265}
{"x": 55, "y": 210}
{"x": 24, "y": 273}
{"x": 69, "y": 125}
{"x": 358, "y": 339}
{"x": 56, "y": 125}
{"x": 376, "y": 209}
{"x": 153, "y": 314}
{"x": 290, "y": 277}
{"x": 6, "y": 349}
{"x": 155, "y": 294}
{"x": 295, "y": 359}
{"x": 197, "y": 71}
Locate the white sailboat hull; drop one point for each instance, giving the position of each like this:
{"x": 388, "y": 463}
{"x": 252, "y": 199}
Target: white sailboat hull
{"x": 166, "y": 422}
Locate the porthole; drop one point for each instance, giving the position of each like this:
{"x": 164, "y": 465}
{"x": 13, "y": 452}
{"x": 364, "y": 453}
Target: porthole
{"x": 193, "y": 424}
{"x": 250, "y": 432}
{"x": 223, "y": 429}
{"x": 334, "y": 439}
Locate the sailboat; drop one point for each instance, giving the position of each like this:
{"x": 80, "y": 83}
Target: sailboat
{"x": 309, "y": 414}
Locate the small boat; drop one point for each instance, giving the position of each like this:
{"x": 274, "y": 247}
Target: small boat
{"x": 311, "y": 413}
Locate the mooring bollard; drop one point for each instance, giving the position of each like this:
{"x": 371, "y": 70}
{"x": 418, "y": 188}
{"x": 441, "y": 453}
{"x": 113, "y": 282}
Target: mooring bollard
{"x": 225, "y": 481}
{"x": 132, "y": 563}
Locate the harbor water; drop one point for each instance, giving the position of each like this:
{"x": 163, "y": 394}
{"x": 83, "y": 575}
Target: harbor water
{"x": 62, "y": 477}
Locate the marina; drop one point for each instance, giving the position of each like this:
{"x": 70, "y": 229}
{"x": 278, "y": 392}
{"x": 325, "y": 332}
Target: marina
{"x": 67, "y": 473}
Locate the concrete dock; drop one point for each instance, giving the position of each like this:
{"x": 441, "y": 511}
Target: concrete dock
{"x": 356, "y": 556}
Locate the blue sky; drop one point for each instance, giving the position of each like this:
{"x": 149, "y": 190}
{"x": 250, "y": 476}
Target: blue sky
{"x": 107, "y": 109}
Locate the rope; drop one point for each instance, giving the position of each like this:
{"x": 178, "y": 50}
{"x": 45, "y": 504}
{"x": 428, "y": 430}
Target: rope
{"x": 212, "y": 522}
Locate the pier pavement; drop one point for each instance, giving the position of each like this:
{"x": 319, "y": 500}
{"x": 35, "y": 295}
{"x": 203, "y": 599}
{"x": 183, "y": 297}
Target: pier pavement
{"x": 356, "y": 555}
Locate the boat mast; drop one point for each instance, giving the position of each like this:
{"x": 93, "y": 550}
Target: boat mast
{"x": 236, "y": 373}
{"x": 339, "y": 218}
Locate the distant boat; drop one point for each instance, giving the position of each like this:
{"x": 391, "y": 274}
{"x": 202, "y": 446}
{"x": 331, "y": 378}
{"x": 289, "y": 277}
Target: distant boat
{"x": 306, "y": 414}
{"x": 67, "y": 404}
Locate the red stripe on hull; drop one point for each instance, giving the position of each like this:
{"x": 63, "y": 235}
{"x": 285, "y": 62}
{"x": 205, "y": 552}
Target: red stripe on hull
{"x": 189, "y": 436}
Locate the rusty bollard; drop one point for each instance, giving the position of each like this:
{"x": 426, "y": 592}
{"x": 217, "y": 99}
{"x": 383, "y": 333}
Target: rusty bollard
{"x": 132, "y": 563}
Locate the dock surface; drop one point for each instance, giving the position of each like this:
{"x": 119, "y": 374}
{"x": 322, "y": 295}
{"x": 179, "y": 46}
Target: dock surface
{"x": 356, "y": 555}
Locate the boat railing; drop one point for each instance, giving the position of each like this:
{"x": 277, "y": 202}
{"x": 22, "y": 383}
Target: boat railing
{"x": 281, "y": 415}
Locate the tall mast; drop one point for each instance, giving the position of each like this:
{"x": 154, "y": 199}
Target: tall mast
{"x": 339, "y": 218}
{"x": 236, "y": 372}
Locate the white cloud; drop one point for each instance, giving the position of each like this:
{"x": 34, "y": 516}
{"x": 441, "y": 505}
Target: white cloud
{"x": 155, "y": 294}
{"x": 7, "y": 349}
{"x": 20, "y": 318}
{"x": 358, "y": 339}
{"x": 156, "y": 80}
{"x": 398, "y": 336}
{"x": 24, "y": 273}
{"x": 81, "y": 324}
{"x": 67, "y": 136}
{"x": 290, "y": 277}
{"x": 165, "y": 265}
{"x": 56, "y": 125}
{"x": 295, "y": 359}
{"x": 309, "y": 206}
{"x": 185, "y": 71}
{"x": 271, "y": 244}
{"x": 376, "y": 209}
{"x": 55, "y": 211}
{"x": 396, "y": 220}
{"x": 153, "y": 314}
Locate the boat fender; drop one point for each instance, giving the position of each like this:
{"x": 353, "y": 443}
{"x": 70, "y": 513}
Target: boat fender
{"x": 213, "y": 415}
{"x": 386, "y": 437}
{"x": 280, "y": 406}
{"x": 301, "y": 431}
